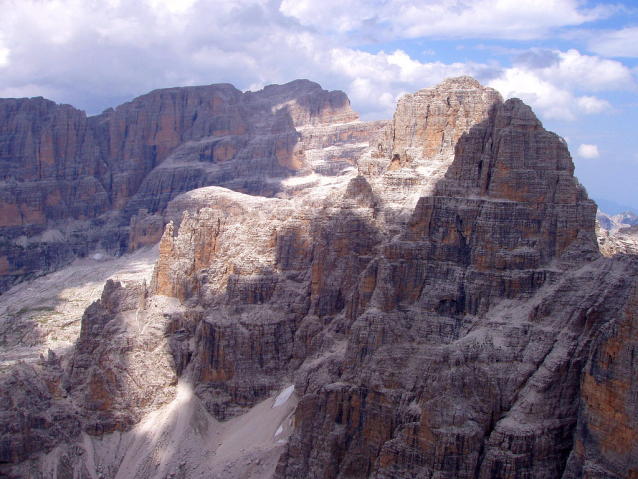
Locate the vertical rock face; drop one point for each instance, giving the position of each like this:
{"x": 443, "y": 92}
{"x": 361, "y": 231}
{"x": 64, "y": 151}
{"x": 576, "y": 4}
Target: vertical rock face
{"x": 436, "y": 295}
{"x": 507, "y": 206}
{"x": 429, "y": 123}
{"x": 281, "y": 129}
{"x": 145, "y": 230}
{"x": 505, "y": 224}
{"x": 451, "y": 343}
{"x": 606, "y": 443}
{"x": 109, "y": 379}
{"x": 138, "y": 136}
{"x": 58, "y": 165}
{"x": 50, "y": 164}
{"x": 510, "y": 156}
{"x": 418, "y": 146}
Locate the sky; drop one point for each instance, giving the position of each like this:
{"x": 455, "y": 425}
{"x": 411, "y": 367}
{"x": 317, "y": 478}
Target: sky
{"x": 574, "y": 62}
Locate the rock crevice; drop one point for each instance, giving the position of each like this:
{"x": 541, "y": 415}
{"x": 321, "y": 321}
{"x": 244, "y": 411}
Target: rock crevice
{"x": 432, "y": 287}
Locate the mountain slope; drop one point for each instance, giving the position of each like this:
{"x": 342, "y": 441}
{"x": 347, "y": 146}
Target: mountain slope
{"x": 441, "y": 307}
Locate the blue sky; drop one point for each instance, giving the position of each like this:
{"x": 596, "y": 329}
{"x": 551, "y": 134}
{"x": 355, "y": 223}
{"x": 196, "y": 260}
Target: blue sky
{"x": 575, "y": 62}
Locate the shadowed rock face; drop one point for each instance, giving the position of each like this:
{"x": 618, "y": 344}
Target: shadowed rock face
{"x": 84, "y": 178}
{"x": 606, "y": 441}
{"x": 453, "y": 347}
{"x": 443, "y": 310}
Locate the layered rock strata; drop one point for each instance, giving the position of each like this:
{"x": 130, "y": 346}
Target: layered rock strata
{"x": 62, "y": 168}
{"x": 441, "y": 306}
{"x": 606, "y": 442}
{"x": 483, "y": 284}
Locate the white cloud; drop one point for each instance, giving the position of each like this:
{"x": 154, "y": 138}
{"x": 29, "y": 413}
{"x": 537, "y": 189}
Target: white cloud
{"x": 590, "y": 105}
{"x": 4, "y": 53}
{"x": 507, "y": 19}
{"x": 618, "y": 43}
{"x": 571, "y": 69}
{"x": 171, "y": 6}
{"x": 376, "y": 81}
{"x": 549, "y": 80}
{"x": 95, "y": 54}
{"x": 98, "y": 54}
{"x": 549, "y": 100}
{"x": 396, "y": 67}
{"x": 589, "y": 152}
{"x": 552, "y": 102}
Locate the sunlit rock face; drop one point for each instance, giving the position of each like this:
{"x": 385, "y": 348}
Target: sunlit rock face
{"x": 450, "y": 341}
{"x": 432, "y": 286}
{"x": 614, "y": 238}
{"x": 86, "y": 177}
{"x": 606, "y": 442}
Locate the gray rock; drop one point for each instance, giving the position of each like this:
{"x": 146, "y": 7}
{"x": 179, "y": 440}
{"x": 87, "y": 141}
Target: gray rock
{"x": 441, "y": 306}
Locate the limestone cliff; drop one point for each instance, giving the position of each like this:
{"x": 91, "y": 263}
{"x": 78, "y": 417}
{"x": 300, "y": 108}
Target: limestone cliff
{"x": 617, "y": 234}
{"x": 85, "y": 178}
{"x": 435, "y": 293}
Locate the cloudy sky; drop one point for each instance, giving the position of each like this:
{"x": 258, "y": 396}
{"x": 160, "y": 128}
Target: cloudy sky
{"x": 574, "y": 61}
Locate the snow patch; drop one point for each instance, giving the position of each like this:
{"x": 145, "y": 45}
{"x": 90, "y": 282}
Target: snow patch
{"x": 22, "y": 241}
{"x": 52, "y": 236}
{"x": 283, "y": 396}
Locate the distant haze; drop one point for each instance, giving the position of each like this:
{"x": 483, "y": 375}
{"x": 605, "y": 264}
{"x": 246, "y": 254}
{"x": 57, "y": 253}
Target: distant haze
{"x": 613, "y": 208}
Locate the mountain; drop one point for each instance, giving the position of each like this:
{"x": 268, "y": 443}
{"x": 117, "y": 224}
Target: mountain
{"x": 612, "y": 207}
{"x": 617, "y": 222}
{"x": 423, "y": 297}
{"x": 617, "y": 234}
{"x": 71, "y": 184}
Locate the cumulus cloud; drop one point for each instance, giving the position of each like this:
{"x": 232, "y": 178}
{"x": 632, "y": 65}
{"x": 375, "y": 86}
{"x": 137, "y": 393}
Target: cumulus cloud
{"x": 572, "y": 69}
{"x": 615, "y": 43}
{"x": 378, "y": 80}
{"x": 589, "y": 152}
{"x": 548, "y": 100}
{"x": 507, "y": 19}
{"x": 549, "y": 80}
{"x": 96, "y": 54}
{"x": 99, "y": 54}
{"x": 590, "y": 105}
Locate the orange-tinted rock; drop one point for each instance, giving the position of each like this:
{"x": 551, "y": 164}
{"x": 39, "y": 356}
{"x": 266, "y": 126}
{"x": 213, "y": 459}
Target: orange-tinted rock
{"x": 443, "y": 311}
{"x": 59, "y": 165}
{"x": 145, "y": 230}
{"x": 417, "y": 311}
{"x": 506, "y": 220}
{"x": 607, "y": 433}
{"x": 46, "y": 151}
{"x": 430, "y": 122}
{"x": 108, "y": 382}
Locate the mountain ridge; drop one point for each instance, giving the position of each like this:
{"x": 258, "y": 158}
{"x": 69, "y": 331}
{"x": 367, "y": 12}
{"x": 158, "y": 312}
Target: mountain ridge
{"x": 435, "y": 294}
{"x": 86, "y": 177}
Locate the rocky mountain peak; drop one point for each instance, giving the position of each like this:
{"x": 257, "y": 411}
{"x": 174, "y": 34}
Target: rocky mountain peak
{"x": 617, "y": 234}
{"x": 430, "y": 288}
{"x": 308, "y": 104}
{"x": 86, "y": 178}
{"x": 460, "y": 82}
{"x": 429, "y": 122}
{"x": 510, "y": 156}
